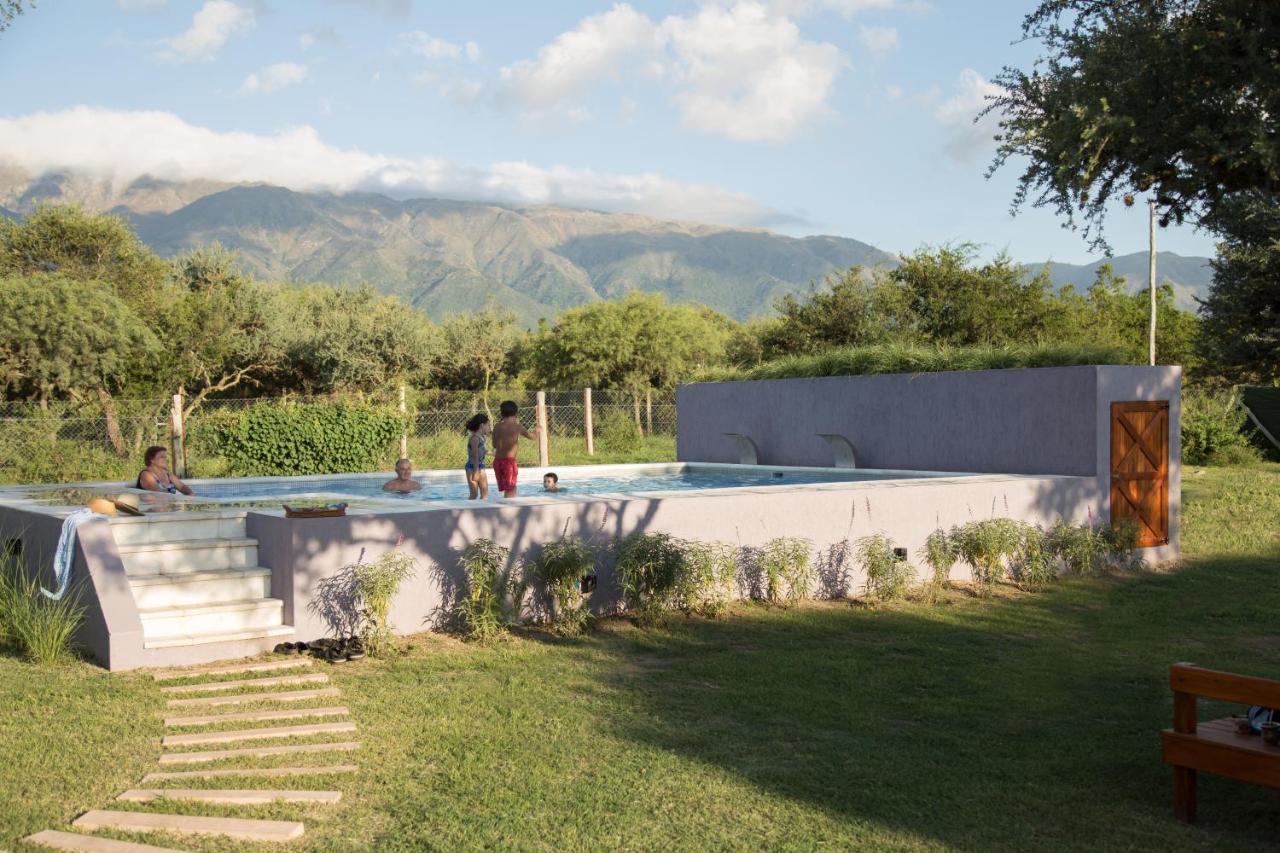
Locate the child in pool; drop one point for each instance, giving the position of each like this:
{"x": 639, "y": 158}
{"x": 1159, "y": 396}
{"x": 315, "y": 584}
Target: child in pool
{"x": 477, "y": 479}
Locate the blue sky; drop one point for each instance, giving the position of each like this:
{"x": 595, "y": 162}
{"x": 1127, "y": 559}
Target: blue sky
{"x": 848, "y": 117}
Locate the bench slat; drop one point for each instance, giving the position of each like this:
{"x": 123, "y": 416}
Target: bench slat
{"x": 1235, "y": 756}
{"x": 1224, "y": 686}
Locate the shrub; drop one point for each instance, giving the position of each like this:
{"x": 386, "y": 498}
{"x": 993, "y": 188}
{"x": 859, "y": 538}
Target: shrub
{"x": 313, "y": 438}
{"x": 1215, "y": 429}
{"x": 650, "y": 568}
{"x": 1121, "y": 538}
{"x": 1033, "y": 565}
{"x": 559, "y": 568}
{"x": 787, "y": 568}
{"x": 39, "y": 627}
{"x": 376, "y": 585}
{"x": 939, "y": 555}
{"x": 484, "y": 562}
{"x": 987, "y": 546}
{"x": 887, "y": 576}
{"x": 1081, "y": 547}
{"x": 617, "y": 431}
{"x": 706, "y": 586}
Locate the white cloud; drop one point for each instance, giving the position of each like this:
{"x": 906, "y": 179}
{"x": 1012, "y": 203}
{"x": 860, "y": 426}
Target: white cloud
{"x": 319, "y": 36}
{"x": 738, "y": 69}
{"x": 969, "y": 139}
{"x": 132, "y": 5}
{"x": 212, "y": 26}
{"x": 121, "y": 146}
{"x": 425, "y": 44}
{"x": 273, "y": 78}
{"x": 848, "y": 8}
{"x": 472, "y": 50}
{"x": 879, "y": 39}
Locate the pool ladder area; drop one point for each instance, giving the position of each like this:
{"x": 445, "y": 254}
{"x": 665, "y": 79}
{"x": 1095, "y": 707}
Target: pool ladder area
{"x": 196, "y": 580}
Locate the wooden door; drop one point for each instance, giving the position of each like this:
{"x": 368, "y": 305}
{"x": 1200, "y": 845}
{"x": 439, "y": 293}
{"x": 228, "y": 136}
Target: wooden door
{"x": 1140, "y": 468}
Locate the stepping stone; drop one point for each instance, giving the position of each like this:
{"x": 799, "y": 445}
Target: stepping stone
{"x": 242, "y": 829}
{"x": 314, "y": 678}
{"x": 254, "y": 752}
{"x": 264, "y": 666}
{"x": 91, "y": 843}
{"x": 256, "y": 716}
{"x": 259, "y": 772}
{"x": 242, "y": 698}
{"x": 229, "y": 797}
{"x": 257, "y": 734}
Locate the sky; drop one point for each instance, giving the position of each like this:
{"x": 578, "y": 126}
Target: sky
{"x": 844, "y": 117}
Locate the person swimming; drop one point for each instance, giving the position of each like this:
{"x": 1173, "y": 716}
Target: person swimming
{"x": 403, "y": 480}
{"x": 156, "y": 477}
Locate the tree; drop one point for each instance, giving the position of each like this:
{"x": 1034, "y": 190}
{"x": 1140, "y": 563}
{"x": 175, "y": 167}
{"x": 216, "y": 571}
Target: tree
{"x": 477, "y": 346}
{"x": 1242, "y": 311}
{"x": 1179, "y": 98}
{"x": 852, "y": 309}
{"x": 10, "y": 9}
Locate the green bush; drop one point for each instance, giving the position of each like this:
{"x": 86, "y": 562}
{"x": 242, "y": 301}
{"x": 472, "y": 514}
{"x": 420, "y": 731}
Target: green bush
{"x": 939, "y": 554}
{"x": 1215, "y": 429}
{"x": 888, "y": 578}
{"x": 376, "y": 585}
{"x": 39, "y": 627}
{"x": 987, "y": 546}
{"x": 650, "y": 568}
{"x": 1034, "y": 564}
{"x": 1081, "y": 547}
{"x": 314, "y": 438}
{"x": 786, "y": 563}
{"x": 617, "y": 431}
{"x": 482, "y": 608}
{"x": 706, "y": 587}
{"x": 559, "y": 568}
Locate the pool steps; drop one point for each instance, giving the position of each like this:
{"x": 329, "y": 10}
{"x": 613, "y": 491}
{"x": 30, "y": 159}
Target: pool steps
{"x": 190, "y": 555}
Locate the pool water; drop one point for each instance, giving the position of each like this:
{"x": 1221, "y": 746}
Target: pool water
{"x": 437, "y": 489}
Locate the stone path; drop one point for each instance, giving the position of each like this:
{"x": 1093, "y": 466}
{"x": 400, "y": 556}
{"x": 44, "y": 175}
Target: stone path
{"x": 211, "y": 728}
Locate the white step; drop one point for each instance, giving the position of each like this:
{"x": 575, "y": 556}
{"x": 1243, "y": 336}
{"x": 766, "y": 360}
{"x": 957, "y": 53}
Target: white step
{"x": 171, "y": 640}
{"x": 226, "y": 617}
{"x": 154, "y": 591}
{"x": 271, "y": 733}
{"x": 254, "y": 752}
{"x": 250, "y": 772}
{"x": 245, "y": 698}
{"x": 232, "y": 669}
{"x": 189, "y": 555}
{"x": 242, "y": 829}
{"x": 276, "y": 681}
{"x": 90, "y": 843}
{"x": 256, "y": 716}
{"x": 229, "y": 796}
{"x": 177, "y": 526}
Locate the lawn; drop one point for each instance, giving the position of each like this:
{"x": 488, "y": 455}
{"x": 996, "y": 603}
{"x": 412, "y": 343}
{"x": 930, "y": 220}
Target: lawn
{"x": 1021, "y": 722}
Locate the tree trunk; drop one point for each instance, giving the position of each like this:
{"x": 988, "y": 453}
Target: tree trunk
{"x": 113, "y": 423}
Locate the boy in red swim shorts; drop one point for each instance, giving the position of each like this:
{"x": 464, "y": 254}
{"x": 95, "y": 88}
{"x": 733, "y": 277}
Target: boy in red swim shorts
{"x": 506, "y": 435}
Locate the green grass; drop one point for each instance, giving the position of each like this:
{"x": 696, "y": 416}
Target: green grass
{"x": 1016, "y": 722}
{"x": 909, "y": 358}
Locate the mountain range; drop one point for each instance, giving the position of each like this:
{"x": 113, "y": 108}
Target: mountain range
{"x": 446, "y": 256}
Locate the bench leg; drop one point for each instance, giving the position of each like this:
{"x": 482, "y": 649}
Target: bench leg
{"x": 1184, "y": 794}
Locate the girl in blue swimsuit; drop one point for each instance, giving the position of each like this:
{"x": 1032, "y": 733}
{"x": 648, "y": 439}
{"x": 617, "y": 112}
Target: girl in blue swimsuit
{"x": 477, "y": 479}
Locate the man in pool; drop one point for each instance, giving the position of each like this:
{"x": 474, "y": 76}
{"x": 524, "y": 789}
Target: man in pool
{"x": 506, "y": 435}
{"x": 550, "y": 482}
{"x": 403, "y": 481}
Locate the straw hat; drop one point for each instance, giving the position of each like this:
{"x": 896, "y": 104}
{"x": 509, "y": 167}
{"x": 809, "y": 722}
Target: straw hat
{"x": 128, "y": 504}
{"x": 102, "y": 506}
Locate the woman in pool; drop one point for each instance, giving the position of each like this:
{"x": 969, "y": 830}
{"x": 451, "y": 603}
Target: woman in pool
{"x": 156, "y": 476}
{"x": 477, "y": 479}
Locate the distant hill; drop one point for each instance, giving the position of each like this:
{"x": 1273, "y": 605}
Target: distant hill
{"x": 1190, "y": 276}
{"x": 449, "y": 256}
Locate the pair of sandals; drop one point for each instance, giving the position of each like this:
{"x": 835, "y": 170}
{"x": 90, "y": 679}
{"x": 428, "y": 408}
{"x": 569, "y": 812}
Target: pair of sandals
{"x": 338, "y": 650}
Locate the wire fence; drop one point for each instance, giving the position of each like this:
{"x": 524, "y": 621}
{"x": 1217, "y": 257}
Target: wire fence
{"x": 103, "y": 440}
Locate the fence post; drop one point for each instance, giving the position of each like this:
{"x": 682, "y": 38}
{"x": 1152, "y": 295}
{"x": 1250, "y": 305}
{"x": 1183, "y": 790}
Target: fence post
{"x": 404, "y": 427}
{"x": 178, "y": 430}
{"x": 648, "y": 410}
{"x": 586, "y": 422}
{"x": 543, "y": 452}
{"x": 635, "y": 411}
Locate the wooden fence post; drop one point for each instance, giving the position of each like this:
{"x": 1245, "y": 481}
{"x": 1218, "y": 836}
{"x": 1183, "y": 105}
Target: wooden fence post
{"x": 587, "y": 426}
{"x": 648, "y": 411}
{"x": 178, "y": 431}
{"x": 543, "y": 451}
{"x": 404, "y": 427}
{"x": 635, "y": 411}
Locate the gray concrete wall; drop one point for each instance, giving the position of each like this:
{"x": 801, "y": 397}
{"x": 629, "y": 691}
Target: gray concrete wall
{"x": 304, "y": 553}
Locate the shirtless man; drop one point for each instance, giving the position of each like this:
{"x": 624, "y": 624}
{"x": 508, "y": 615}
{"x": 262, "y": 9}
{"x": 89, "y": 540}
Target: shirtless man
{"x": 403, "y": 481}
{"x": 506, "y": 435}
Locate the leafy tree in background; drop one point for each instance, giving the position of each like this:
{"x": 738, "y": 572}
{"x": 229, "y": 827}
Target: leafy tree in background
{"x": 10, "y": 9}
{"x": 1179, "y": 98}
{"x": 477, "y": 346}
{"x": 852, "y": 309}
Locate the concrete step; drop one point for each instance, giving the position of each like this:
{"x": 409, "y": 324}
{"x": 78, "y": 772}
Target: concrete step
{"x": 275, "y": 681}
{"x": 178, "y": 527}
{"x": 241, "y": 829}
{"x": 242, "y": 698}
{"x": 228, "y": 796}
{"x": 310, "y": 730}
{"x": 252, "y": 772}
{"x": 275, "y": 633}
{"x": 90, "y": 843}
{"x": 224, "y": 617}
{"x": 256, "y": 716}
{"x": 151, "y": 592}
{"x": 188, "y": 555}
{"x": 232, "y": 669}
{"x": 254, "y": 752}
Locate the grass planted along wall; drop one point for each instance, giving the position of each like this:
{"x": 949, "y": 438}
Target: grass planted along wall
{"x": 902, "y": 358}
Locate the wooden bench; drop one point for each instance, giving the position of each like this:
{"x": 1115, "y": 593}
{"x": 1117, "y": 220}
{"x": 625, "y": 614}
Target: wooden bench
{"x": 1216, "y": 746}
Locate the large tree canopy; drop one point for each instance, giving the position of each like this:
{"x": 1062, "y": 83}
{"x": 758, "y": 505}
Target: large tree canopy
{"x": 1179, "y": 98}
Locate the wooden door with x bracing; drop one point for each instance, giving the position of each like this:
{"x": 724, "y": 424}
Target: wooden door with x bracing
{"x": 1140, "y": 468}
